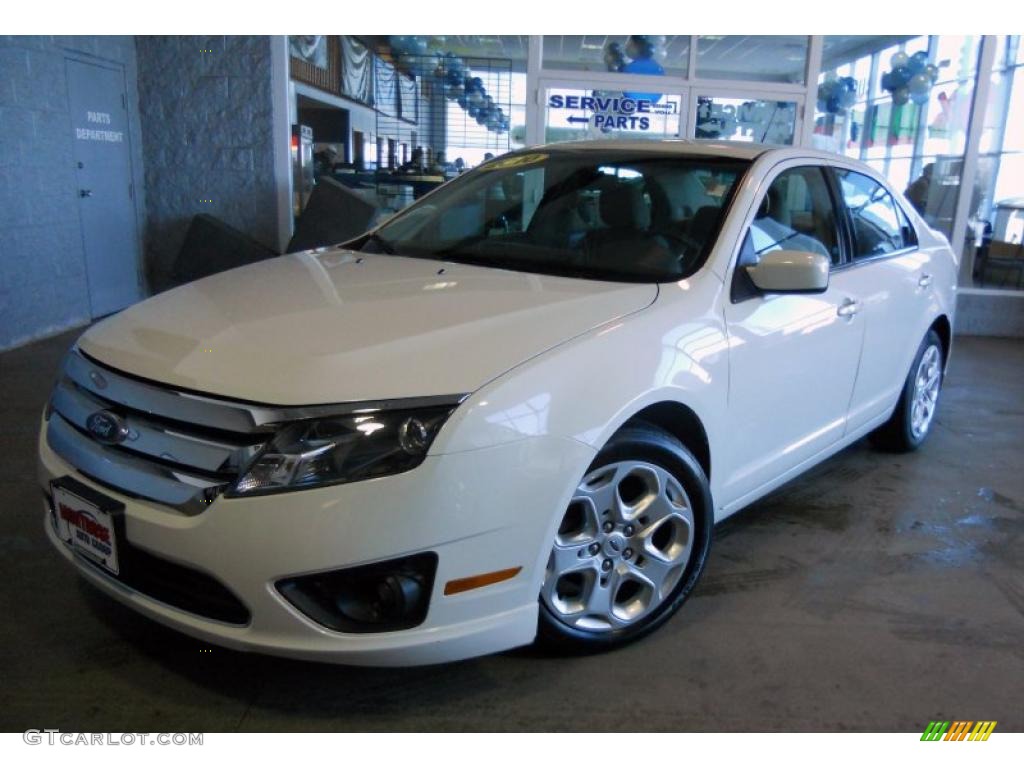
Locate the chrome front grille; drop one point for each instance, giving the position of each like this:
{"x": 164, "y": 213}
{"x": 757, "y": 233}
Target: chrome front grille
{"x": 179, "y": 449}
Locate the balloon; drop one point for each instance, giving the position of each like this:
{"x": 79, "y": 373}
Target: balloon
{"x": 397, "y": 43}
{"x": 849, "y": 84}
{"x": 900, "y": 96}
{"x": 473, "y": 110}
{"x": 932, "y": 71}
{"x": 900, "y": 77}
{"x": 919, "y": 83}
{"x": 847, "y": 98}
{"x": 920, "y": 97}
{"x": 832, "y": 105}
{"x": 462, "y": 101}
{"x": 887, "y": 82}
{"x": 637, "y": 46}
{"x": 822, "y": 107}
{"x": 475, "y": 98}
{"x": 614, "y": 59}
{"x": 899, "y": 59}
{"x": 918, "y": 62}
{"x": 418, "y": 46}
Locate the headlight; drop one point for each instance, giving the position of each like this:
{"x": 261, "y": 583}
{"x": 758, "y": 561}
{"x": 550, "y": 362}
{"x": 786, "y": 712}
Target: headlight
{"x": 342, "y": 449}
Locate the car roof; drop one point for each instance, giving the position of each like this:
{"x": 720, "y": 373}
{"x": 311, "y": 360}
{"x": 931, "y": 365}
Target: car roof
{"x": 737, "y": 150}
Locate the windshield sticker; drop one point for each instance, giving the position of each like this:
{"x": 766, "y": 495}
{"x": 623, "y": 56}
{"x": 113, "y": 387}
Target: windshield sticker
{"x": 515, "y": 161}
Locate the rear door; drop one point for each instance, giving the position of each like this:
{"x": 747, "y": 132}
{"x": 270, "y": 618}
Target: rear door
{"x": 891, "y": 282}
{"x": 792, "y": 357}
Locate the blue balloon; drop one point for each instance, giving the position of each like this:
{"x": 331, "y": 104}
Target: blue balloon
{"x": 917, "y": 62}
{"x": 400, "y": 43}
{"x": 919, "y": 97}
{"x": 832, "y": 105}
{"x": 887, "y": 82}
{"x": 462, "y": 101}
{"x": 900, "y": 77}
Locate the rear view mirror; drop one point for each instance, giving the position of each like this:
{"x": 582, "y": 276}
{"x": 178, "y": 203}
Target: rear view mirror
{"x": 790, "y": 272}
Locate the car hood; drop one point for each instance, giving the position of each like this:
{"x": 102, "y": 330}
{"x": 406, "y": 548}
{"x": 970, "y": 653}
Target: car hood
{"x": 336, "y": 326}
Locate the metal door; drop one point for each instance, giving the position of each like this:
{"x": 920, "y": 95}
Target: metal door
{"x": 106, "y": 205}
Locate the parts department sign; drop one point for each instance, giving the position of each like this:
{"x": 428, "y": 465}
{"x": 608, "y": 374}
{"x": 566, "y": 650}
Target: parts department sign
{"x": 614, "y": 111}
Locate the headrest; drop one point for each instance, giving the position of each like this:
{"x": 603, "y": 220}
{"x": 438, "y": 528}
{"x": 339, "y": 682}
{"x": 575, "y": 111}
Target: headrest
{"x": 623, "y": 207}
{"x": 772, "y": 206}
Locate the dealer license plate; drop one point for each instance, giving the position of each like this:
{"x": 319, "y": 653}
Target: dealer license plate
{"x": 85, "y": 519}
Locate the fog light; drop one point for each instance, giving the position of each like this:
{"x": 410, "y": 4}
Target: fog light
{"x": 381, "y": 597}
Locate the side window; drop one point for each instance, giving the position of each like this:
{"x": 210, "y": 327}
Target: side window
{"x": 796, "y": 214}
{"x": 879, "y": 225}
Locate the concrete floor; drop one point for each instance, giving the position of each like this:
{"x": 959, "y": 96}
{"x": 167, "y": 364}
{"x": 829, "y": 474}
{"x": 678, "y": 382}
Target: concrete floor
{"x": 875, "y": 593}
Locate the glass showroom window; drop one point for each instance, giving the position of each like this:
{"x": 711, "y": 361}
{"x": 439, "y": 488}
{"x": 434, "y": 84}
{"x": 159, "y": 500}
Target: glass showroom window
{"x": 903, "y": 105}
{"x": 470, "y": 140}
{"x": 999, "y": 222}
{"x": 742, "y": 119}
{"x": 626, "y": 54}
{"x": 480, "y": 83}
{"x": 760, "y": 58}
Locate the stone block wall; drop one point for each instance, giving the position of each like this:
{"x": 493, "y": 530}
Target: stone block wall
{"x": 206, "y": 110}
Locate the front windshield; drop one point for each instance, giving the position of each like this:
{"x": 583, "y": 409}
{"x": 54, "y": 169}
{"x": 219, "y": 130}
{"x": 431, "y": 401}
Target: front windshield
{"x": 606, "y": 216}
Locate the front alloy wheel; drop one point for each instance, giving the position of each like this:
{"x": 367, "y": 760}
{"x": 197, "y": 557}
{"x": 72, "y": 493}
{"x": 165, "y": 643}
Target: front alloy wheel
{"x": 631, "y": 544}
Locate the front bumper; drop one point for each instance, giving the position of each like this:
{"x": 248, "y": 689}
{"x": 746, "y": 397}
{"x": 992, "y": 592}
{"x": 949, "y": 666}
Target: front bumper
{"x": 480, "y": 511}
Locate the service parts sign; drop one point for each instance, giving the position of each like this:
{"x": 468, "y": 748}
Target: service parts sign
{"x": 607, "y": 112}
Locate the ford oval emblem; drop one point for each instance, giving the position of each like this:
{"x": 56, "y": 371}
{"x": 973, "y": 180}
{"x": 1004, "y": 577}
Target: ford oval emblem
{"x": 98, "y": 380}
{"x": 108, "y": 428}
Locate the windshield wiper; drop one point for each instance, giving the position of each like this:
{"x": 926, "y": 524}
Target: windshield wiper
{"x": 383, "y": 246}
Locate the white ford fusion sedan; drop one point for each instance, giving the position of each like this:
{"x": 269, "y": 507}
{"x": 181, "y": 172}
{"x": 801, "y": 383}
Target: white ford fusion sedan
{"x": 513, "y": 411}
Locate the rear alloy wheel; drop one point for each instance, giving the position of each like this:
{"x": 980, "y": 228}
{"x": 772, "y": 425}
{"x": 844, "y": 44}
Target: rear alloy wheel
{"x": 631, "y": 544}
{"x": 915, "y": 412}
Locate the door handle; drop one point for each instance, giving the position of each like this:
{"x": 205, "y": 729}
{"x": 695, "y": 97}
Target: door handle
{"x": 925, "y": 281}
{"x": 848, "y": 308}
{"x": 85, "y": 193}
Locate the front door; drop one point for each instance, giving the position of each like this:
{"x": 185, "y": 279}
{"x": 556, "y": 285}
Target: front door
{"x": 99, "y": 125}
{"x": 792, "y": 357}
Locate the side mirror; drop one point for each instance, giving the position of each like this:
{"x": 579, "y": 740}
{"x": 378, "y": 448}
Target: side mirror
{"x": 790, "y": 272}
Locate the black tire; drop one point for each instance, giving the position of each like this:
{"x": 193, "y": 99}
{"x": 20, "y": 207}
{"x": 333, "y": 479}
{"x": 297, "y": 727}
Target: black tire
{"x": 646, "y": 443}
{"x": 897, "y": 434}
